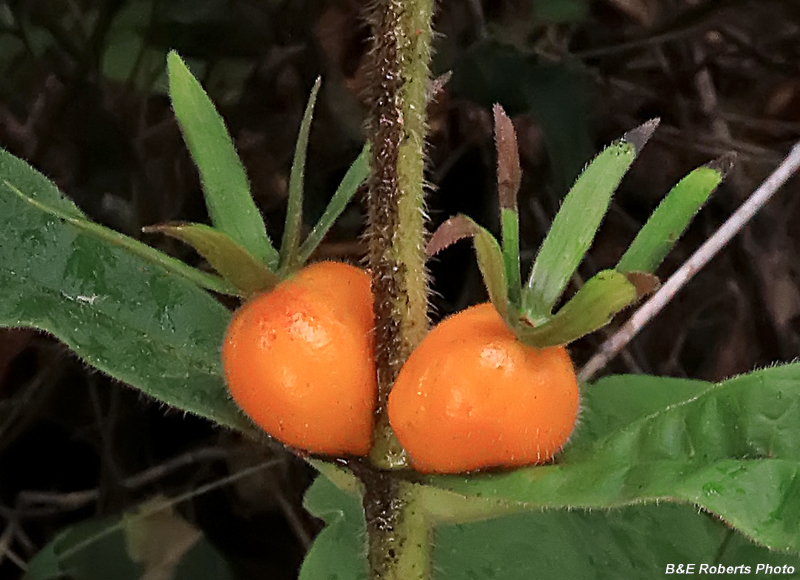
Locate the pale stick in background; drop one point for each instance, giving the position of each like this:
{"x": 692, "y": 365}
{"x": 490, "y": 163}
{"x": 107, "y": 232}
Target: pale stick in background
{"x": 700, "y": 258}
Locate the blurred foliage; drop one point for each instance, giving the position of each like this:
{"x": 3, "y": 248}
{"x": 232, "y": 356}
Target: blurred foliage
{"x": 560, "y": 11}
{"x": 554, "y": 94}
{"x": 150, "y": 541}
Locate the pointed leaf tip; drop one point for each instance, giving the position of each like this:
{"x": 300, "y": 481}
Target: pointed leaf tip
{"x": 671, "y": 218}
{"x": 723, "y": 164}
{"x": 348, "y": 187}
{"x": 453, "y": 230}
{"x": 575, "y": 225}
{"x": 639, "y": 136}
{"x": 437, "y": 85}
{"x": 644, "y": 282}
{"x": 222, "y": 175}
{"x": 290, "y": 242}
{"x": 487, "y": 250}
{"x": 509, "y": 175}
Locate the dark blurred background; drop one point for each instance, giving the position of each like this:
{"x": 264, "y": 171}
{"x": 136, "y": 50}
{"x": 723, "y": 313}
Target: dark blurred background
{"x": 83, "y": 99}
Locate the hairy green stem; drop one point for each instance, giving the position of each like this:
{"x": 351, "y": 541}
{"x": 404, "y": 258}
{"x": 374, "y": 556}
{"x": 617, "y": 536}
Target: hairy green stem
{"x": 399, "y": 528}
{"x": 398, "y": 80}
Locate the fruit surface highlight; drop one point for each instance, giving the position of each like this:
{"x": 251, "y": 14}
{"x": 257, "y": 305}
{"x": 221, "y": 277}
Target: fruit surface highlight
{"x": 299, "y": 361}
{"x": 471, "y": 396}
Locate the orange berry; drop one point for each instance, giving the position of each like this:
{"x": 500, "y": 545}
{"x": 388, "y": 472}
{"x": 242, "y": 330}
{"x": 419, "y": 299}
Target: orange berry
{"x": 299, "y": 360}
{"x": 472, "y": 396}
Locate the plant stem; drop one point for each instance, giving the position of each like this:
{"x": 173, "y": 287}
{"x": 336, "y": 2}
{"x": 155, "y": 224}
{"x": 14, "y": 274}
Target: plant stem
{"x": 398, "y": 80}
{"x": 398, "y": 528}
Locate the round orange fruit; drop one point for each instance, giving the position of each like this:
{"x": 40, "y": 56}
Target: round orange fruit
{"x": 471, "y": 396}
{"x": 299, "y": 360}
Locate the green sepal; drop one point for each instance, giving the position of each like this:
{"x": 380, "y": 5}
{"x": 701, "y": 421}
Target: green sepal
{"x": 487, "y": 250}
{"x": 227, "y": 191}
{"x": 170, "y": 264}
{"x": 576, "y": 223}
{"x": 509, "y": 177}
{"x": 672, "y": 216}
{"x": 294, "y": 209}
{"x": 233, "y": 262}
{"x": 354, "y": 177}
{"x": 592, "y": 307}
{"x": 509, "y": 219}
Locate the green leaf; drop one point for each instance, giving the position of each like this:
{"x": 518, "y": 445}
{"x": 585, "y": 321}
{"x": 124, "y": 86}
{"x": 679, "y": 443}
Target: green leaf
{"x": 339, "y": 549}
{"x": 150, "y": 541}
{"x": 631, "y": 542}
{"x": 354, "y": 177}
{"x": 231, "y": 260}
{"x": 130, "y": 317}
{"x": 489, "y": 254}
{"x": 603, "y": 295}
{"x": 509, "y": 177}
{"x": 575, "y": 224}
{"x": 134, "y": 246}
{"x": 225, "y": 184}
{"x": 490, "y": 262}
{"x": 672, "y": 217}
{"x": 339, "y": 476}
{"x": 733, "y": 449}
{"x": 71, "y": 214}
{"x": 294, "y": 209}
{"x": 619, "y": 400}
{"x": 509, "y": 219}
{"x": 24, "y": 178}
